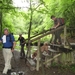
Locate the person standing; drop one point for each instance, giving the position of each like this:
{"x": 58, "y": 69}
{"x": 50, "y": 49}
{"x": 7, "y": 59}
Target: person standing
{"x": 8, "y": 42}
{"x": 57, "y": 23}
{"x": 22, "y": 43}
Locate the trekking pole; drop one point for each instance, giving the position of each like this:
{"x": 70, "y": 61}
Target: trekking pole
{"x": 14, "y": 57}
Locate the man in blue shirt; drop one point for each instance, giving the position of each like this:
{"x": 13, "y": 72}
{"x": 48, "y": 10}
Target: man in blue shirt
{"x": 8, "y": 42}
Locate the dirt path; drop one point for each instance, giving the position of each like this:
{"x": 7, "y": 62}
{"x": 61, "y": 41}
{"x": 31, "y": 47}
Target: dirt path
{"x": 19, "y": 65}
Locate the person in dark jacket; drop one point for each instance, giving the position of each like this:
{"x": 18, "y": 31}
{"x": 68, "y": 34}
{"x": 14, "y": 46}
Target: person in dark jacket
{"x": 22, "y": 43}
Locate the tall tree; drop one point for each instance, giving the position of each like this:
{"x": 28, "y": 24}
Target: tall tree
{"x": 0, "y": 18}
{"x": 31, "y": 14}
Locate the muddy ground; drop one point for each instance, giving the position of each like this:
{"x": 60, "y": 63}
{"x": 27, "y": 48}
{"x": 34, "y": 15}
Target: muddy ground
{"x": 19, "y": 65}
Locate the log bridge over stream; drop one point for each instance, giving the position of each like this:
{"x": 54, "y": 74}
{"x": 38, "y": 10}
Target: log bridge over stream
{"x": 58, "y": 53}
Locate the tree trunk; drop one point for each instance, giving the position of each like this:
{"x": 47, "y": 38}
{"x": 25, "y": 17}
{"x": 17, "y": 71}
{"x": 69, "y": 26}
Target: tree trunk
{"x": 0, "y": 23}
{"x": 29, "y": 52}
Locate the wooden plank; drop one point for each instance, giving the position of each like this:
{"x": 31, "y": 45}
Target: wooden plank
{"x": 38, "y": 56}
{"x": 52, "y": 50}
{"x": 65, "y": 32}
{"x": 52, "y": 58}
{"x": 61, "y": 47}
{"x": 57, "y": 45}
{"x": 67, "y": 48}
{"x": 39, "y": 34}
{"x": 45, "y": 34}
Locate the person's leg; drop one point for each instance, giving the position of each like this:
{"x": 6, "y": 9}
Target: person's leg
{"x": 52, "y": 39}
{"x": 23, "y": 51}
{"x": 59, "y": 36}
{"x": 56, "y": 36}
{"x": 7, "y": 57}
{"x": 4, "y": 54}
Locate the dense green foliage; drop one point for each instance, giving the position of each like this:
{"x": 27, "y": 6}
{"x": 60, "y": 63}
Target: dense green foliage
{"x": 18, "y": 20}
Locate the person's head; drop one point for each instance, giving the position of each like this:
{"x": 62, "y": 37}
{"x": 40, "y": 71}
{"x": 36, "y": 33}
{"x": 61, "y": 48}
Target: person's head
{"x": 6, "y": 31}
{"x": 53, "y": 17}
{"x": 20, "y": 35}
{"x": 46, "y": 43}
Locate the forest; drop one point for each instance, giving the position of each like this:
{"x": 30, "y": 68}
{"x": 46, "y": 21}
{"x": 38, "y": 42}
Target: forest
{"x": 35, "y": 16}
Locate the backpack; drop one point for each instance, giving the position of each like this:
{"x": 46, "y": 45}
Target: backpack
{"x": 62, "y": 22}
{"x": 10, "y": 39}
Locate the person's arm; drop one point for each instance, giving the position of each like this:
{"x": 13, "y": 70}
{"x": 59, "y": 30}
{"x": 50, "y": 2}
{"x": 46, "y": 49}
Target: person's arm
{"x": 17, "y": 40}
{"x": 55, "y": 26}
{"x": 14, "y": 43}
{"x": 42, "y": 48}
{"x": 58, "y": 24}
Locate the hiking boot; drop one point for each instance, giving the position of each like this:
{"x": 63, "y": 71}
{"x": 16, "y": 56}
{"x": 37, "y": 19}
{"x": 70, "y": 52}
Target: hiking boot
{"x": 9, "y": 72}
